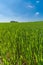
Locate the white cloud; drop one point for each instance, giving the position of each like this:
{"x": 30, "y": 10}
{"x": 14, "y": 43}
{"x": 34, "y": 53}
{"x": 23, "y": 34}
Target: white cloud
{"x": 37, "y": 1}
{"x": 30, "y": 6}
{"x": 37, "y": 13}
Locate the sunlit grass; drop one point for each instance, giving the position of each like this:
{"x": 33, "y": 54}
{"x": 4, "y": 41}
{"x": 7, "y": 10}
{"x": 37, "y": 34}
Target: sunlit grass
{"x": 21, "y": 43}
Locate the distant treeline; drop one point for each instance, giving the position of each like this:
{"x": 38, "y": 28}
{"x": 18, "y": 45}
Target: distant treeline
{"x": 14, "y": 21}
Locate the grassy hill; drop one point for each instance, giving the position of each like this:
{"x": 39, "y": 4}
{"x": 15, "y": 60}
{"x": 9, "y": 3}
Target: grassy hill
{"x": 21, "y": 43}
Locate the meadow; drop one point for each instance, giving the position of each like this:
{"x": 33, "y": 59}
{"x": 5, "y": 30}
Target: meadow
{"x": 21, "y": 43}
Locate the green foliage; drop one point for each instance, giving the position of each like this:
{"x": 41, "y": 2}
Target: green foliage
{"x": 21, "y": 43}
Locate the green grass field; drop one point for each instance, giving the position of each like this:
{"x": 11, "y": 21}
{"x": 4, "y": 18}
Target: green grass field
{"x": 21, "y": 43}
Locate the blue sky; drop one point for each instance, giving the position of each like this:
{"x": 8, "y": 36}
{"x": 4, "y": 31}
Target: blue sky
{"x": 21, "y": 10}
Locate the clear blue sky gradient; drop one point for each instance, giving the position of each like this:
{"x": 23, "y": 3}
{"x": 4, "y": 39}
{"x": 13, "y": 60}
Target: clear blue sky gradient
{"x": 21, "y": 10}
